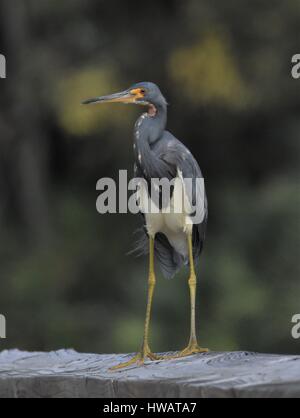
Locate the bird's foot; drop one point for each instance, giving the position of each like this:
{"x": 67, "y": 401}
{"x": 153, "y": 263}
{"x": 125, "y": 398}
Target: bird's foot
{"x": 192, "y": 348}
{"x": 138, "y": 360}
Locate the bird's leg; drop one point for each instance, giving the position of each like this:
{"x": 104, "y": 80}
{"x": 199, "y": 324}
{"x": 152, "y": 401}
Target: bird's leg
{"x": 193, "y": 346}
{"x": 145, "y": 350}
{"x": 151, "y": 286}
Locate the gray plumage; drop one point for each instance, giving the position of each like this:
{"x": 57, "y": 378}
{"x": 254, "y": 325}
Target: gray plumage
{"x": 158, "y": 154}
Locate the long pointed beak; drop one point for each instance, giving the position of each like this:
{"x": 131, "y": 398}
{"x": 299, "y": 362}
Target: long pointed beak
{"x": 122, "y": 97}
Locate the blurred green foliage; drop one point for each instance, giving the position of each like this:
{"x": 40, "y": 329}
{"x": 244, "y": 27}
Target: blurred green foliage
{"x": 206, "y": 73}
{"x": 65, "y": 278}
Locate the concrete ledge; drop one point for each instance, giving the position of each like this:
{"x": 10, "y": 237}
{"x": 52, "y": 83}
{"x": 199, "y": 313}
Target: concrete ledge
{"x": 66, "y": 373}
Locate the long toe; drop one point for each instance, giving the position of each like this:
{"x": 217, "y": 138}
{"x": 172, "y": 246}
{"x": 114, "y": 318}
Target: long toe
{"x": 192, "y": 349}
{"x": 126, "y": 364}
{"x": 188, "y": 351}
{"x": 138, "y": 360}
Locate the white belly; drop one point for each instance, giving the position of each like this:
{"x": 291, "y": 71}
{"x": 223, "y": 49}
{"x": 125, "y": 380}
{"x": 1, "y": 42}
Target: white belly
{"x": 174, "y": 224}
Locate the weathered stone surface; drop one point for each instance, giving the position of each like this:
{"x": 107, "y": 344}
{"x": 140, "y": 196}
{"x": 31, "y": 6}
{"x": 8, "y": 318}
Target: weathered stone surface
{"x": 66, "y": 373}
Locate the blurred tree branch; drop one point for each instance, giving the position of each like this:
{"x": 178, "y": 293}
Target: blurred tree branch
{"x": 28, "y": 156}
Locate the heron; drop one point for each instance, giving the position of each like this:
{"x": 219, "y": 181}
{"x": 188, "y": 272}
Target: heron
{"x": 173, "y": 240}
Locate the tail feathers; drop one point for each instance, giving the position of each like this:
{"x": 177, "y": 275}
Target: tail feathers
{"x": 168, "y": 259}
{"x": 141, "y": 244}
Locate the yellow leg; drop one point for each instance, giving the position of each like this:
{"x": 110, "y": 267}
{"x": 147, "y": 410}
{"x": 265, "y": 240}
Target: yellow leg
{"x": 193, "y": 346}
{"x": 145, "y": 350}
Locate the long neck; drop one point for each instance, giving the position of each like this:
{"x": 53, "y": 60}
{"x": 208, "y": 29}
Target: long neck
{"x": 148, "y": 130}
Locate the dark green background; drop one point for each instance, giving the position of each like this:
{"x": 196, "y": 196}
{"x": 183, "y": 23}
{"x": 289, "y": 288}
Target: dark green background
{"x": 225, "y": 69}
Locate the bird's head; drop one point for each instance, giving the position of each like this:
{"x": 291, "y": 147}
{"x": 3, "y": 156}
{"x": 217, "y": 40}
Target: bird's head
{"x": 145, "y": 94}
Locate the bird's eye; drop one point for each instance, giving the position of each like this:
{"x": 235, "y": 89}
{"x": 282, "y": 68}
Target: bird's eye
{"x": 143, "y": 91}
